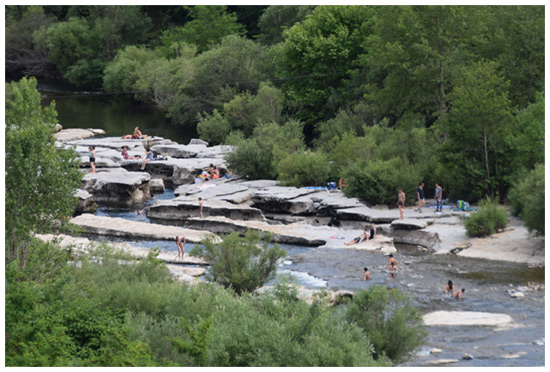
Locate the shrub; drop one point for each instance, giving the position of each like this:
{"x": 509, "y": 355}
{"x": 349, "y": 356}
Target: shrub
{"x": 377, "y": 182}
{"x": 303, "y": 169}
{"x": 243, "y": 264}
{"x": 392, "y": 324}
{"x": 527, "y": 199}
{"x": 213, "y": 128}
{"x": 488, "y": 219}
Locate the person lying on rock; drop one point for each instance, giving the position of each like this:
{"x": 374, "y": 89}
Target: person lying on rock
{"x": 126, "y": 156}
{"x": 363, "y": 237}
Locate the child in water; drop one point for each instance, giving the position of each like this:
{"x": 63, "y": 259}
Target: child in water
{"x": 366, "y": 274}
{"x": 458, "y": 294}
{"x": 393, "y": 267}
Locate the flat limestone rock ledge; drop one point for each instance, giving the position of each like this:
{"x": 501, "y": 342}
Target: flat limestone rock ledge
{"x": 116, "y": 143}
{"x": 85, "y": 202}
{"x": 101, "y": 225}
{"x": 409, "y": 224}
{"x": 185, "y": 274}
{"x": 466, "y": 318}
{"x": 210, "y": 189}
{"x": 74, "y": 134}
{"x": 367, "y": 214}
{"x": 422, "y": 238}
{"x": 178, "y": 151}
{"x": 84, "y": 245}
{"x": 279, "y": 199}
{"x": 186, "y": 207}
{"x": 117, "y": 186}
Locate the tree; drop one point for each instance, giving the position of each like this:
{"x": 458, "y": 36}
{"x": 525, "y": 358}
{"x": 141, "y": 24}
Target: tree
{"x": 209, "y": 26}
{"x": 393, "y": 325}
{"x": 40, "y": 178}
{"x": 477, "y": 127}
{"x": 277, "y": 18}
{"x": 243, "y": 264}
{"x": 527, "y": 198}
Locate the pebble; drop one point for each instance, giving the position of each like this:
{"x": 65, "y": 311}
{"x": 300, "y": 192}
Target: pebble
{"x": 467, "y": 356}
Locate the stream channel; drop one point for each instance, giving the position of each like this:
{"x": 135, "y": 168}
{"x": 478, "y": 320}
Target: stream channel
{"x": 424, "y": 275}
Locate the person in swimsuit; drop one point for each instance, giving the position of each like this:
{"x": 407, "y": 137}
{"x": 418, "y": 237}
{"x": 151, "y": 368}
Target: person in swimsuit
{"x": 393, "y": 270}
{"x": 458, "y": 294}
{"x": 449, "y": 288}
{"x": 126, "y": 156}
{"x": 200, "y": 206}
{"x": 148, "y": 157}
{"x": 372, "y": 234}
{"x": 359, "y": 239}
{"x": 181, "y": 246}
{"x": 91, "y": 153}
{"x": 366, "y": 274}
{"x": 137, "y": 134}
{"x": 401, "y": 203}
{"x": 420, "y": 197}
{"x": 392, "y": 259}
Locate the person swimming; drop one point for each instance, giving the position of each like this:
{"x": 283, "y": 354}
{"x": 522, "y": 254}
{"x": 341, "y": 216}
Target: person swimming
{"x": 458, "y": 294}
{"x": 449, "y": 288}
{"x": 366, "y": 274}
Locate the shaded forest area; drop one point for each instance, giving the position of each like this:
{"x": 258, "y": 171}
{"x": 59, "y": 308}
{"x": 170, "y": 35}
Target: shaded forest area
{"x": 382, "y": 96}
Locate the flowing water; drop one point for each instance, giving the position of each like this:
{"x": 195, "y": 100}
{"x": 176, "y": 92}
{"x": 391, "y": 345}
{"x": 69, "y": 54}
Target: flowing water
{"x": 423, "y": 275}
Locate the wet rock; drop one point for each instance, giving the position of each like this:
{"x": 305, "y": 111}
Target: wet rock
{"x": 467, "y": 356}
{"x": 409, "y": 224}
{"x": 450, "y": 318}
{"x": 156, "y": 186}
{"x": 421, "y": 238}
{"x": 117, "y": 187}
{"x": 443, "y": 361}
{"x": 85, "y": 202}
{"x": 178, "y": 151}
{"x": 515, "y": 294}
{"x": 510, "y": 356}
{"x": 196, "y": 141}
{"x": 435, "y": 351}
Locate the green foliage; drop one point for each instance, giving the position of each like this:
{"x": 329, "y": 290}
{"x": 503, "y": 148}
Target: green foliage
{"x": 527, "y": 198}
{"x": 210, "y": 25}
{"x": 303, "y": 169}
{"x": 213, "y": 128}
{"x": 243, "y": 264}
{"x": 198, "y": 345}
{"x": 488, "y": 219}
{"x": 122, "y": 73}
{"x": 51, "y": 175}
{"x": 378, "y": 181}
{"x": 258, "y": 156}
{"x": 392, "y": 324}
{"x": 277, "y": 18}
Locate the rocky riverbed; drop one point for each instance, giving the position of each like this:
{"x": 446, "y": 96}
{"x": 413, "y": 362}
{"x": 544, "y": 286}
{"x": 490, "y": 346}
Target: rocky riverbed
{"x": 310, "y": 217}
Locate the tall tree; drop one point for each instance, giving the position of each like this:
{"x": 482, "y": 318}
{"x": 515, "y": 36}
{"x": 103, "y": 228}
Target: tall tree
{"x": 477, "y": 127}
{"x": 277, "y": 18}
{"x": 40, "y": 178}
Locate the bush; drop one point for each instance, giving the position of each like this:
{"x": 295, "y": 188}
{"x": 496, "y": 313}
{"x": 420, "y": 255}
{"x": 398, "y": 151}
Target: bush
{"x": 303, "y": 169}
{"x": 527, "y": 199}
{"x": 488, "y": 219}
{"x": 378, "y": 182}
{"x": 243, "y": 264}
{"x": 392, "y": 324}
{"x": 213, "y": 128}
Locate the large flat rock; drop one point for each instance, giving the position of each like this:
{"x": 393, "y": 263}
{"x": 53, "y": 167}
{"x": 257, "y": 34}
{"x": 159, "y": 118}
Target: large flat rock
{"x": 121, "y": 227}
{"x": 367, "y": 214}
{"x": 116, "y": 143}
{"x": 409, "y": 224}
{"x": 216, "y": 151}
{"x": 210, "y": 189}
{"x": 185, "y": 207}
{"x": 179, "y": 151}
{"x": 74, "y": 134}
{"x": 117, "y": 186}
{"x": 466, "y": 318}
{"x": 280, "y": 199}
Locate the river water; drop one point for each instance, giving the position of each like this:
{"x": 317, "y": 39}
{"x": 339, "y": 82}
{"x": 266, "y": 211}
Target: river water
{"x": 423, "y": 277}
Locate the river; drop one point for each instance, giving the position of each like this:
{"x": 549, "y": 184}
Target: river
{"x": 423, "y": 277}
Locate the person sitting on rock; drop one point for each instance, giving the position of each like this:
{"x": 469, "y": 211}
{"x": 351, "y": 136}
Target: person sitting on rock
{"x": 366, "y": 274}
{"x": 458, "y": 294}
{"x": 126, "y": 156}
{"x": 449, "y": 288}
{"x": 148, "y": 157}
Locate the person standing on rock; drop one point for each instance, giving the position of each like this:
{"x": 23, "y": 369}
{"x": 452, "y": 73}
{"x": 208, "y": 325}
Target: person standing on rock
{"x": 366, "y": 274}
{"x": 420, "y": 196}
{"x": 91, "y": 153}
{"x": 401, "y": 203}
{"x": 181, "y": 246}
{"x": 438, "y": 196}
{"x": 200, "y": 206}
{"x": 372, "y": 234}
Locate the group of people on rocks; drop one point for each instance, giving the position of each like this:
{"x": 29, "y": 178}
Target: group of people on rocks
{"x": 421, "y": 199}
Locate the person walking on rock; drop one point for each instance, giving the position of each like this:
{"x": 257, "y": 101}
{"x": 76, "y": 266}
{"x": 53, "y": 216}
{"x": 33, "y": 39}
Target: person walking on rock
{"x": 420, "y": 197}
{"x": 438, "y": 197}
{"x": 91, "y": 153}
{"x": 401, "y": 203}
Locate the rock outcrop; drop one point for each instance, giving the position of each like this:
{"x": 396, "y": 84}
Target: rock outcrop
{"x": 117, "y": 187}
{"x": 469, "y": 318}
{"x": 85, "y": 202}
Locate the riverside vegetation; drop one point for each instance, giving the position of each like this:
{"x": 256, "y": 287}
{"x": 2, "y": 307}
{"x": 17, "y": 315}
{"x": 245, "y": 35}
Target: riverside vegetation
{"x": 106, "y": 308}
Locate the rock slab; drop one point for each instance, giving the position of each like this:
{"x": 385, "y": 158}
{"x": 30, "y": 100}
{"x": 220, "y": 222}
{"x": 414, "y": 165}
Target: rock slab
{"x": 465, "y": 318}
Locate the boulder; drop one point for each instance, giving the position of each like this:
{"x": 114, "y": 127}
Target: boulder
{"x": 85, "y": 202}
{"x": 465, "y": 318}
{"x": 110, "y": 226}
{"x": 340, "y": 297}
{"x": 178, "y": 151}
{"x": 467, "y": 356}
{"x": 420, "y": 238}
{"x": 409, "y": 224}
{"x": 516, "y": 294}
{"x": 75, "y": 134}
{"x": 365, "y": 213}
{"x": 279, "y": 199}
{"x": 58, "y": 127}
{"x": 185, "y": 207}
{"x": 216, "y": 152}
{"x": 196, "y": 141}
{"x": 117, "y": 187}
{"x": 156, "y": 186}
